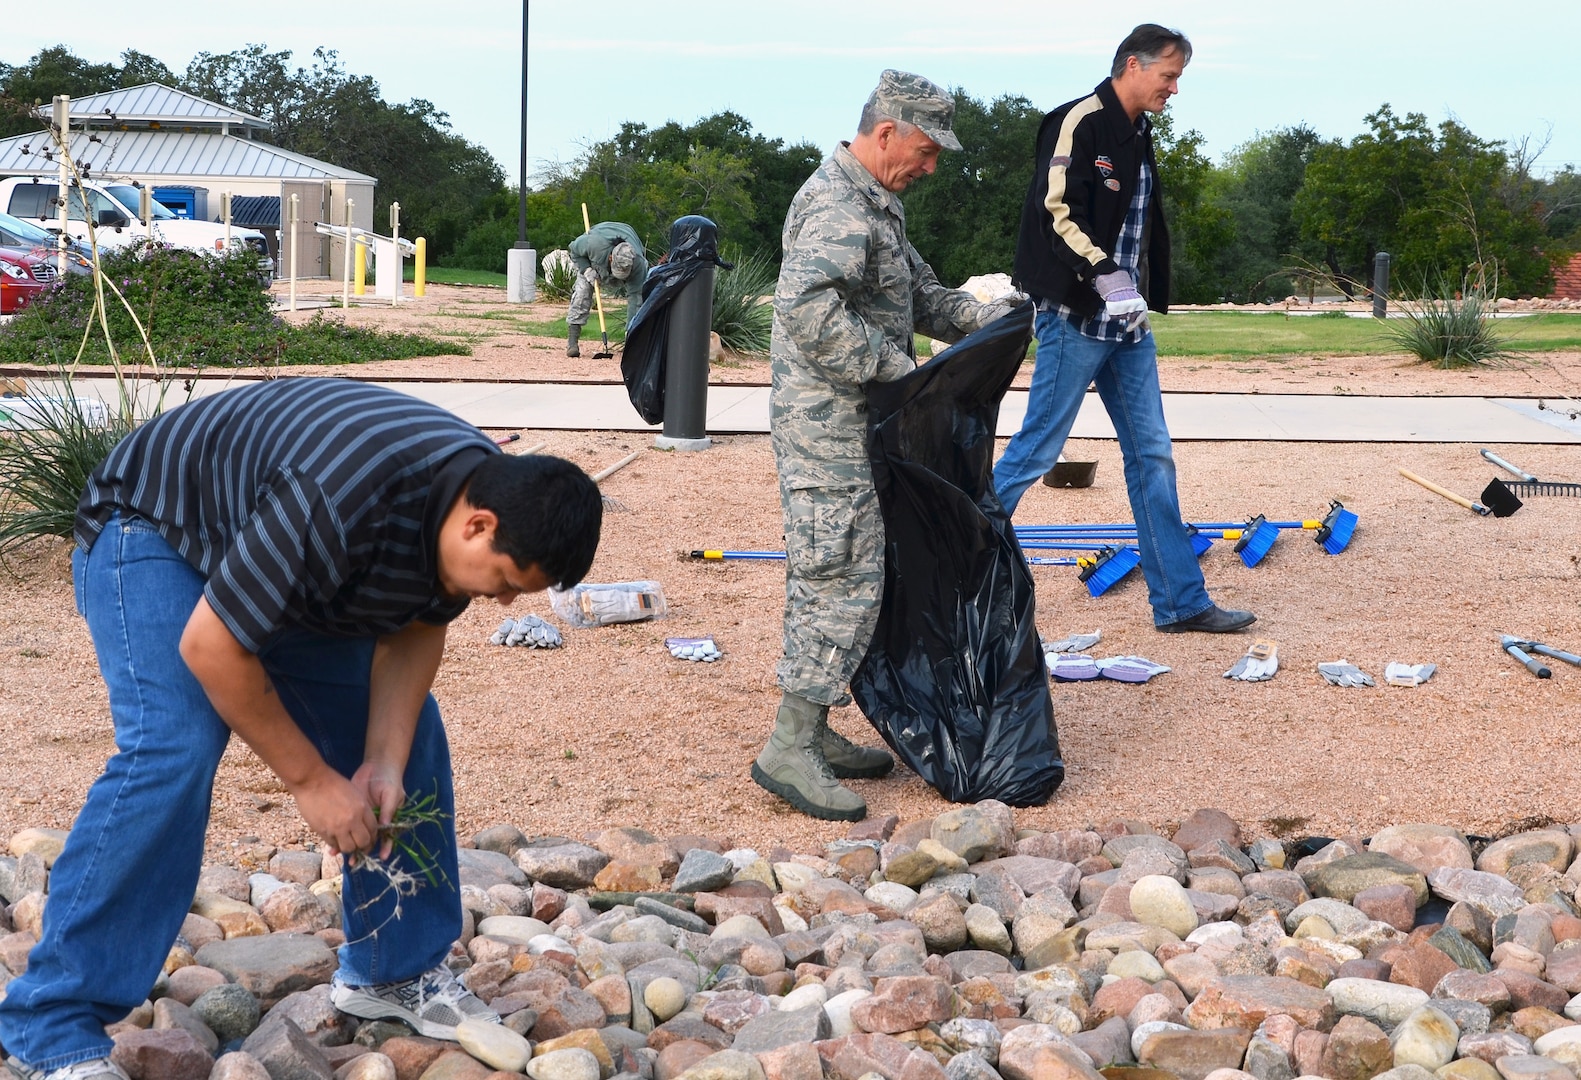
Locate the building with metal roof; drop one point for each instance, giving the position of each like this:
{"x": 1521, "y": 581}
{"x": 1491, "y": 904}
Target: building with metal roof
{"x": 192, "y": 151}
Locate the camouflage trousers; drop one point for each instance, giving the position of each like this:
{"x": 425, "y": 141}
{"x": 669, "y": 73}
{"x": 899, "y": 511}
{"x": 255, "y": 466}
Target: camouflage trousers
{"x": 582, "y": 299}
{"x": 834, "y": 582}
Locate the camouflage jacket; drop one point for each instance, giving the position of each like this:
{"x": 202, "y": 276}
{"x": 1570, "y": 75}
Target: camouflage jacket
{"x": 851, "y": 289}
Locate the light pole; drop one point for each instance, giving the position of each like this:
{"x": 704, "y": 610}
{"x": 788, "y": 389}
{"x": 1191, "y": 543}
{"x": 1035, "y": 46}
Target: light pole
{"x": 521, "y": 262}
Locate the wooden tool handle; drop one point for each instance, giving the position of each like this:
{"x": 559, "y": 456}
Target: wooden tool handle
{"x": 1430, "y": 486}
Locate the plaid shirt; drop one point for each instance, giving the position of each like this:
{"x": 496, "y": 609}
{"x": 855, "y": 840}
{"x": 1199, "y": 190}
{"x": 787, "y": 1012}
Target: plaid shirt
{"x": 1128, "y": 254}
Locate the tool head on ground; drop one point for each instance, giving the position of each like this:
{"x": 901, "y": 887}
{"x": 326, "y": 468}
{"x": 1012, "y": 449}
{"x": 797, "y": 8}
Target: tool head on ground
{"x": 1336, "y": 528}
{"x": 1500, "y": 499}
{"x": 1256, "y": 540}
{"x": 1103, "y": 570}
{"x": 1517, "y": 648}
{"x": 1071, "y": 474}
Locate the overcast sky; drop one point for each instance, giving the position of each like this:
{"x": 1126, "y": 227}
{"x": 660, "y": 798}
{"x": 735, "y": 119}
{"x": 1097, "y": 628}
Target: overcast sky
{"x": 801, "y": 70}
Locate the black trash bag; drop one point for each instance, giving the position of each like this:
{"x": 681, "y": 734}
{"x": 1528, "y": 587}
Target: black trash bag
{"x": 954, "y": 680}
{"x": 694, "y": 244}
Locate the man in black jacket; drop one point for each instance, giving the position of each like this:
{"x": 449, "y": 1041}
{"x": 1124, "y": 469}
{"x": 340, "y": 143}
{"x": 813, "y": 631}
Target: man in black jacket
{"x": 1094, "y": 253}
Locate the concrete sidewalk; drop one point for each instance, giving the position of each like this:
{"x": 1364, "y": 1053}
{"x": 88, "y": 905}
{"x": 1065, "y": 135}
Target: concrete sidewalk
{"x": 1208, "y": 417}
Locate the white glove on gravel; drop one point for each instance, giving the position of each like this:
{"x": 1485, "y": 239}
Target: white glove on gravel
{"x": 1074, "y": 643}
{"x": 1132, "y": 669}
{"x": 1070, "y": 667}
{"x": 1344, "y": 673}
{"x": 1399, "y": 674}
{"x": 1255, "y": 668}
{"x": 695, "y": 648}
{"x": 529, "y": 631}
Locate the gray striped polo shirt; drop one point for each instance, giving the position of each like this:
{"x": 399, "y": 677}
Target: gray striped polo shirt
{"x": 304, "y": 502}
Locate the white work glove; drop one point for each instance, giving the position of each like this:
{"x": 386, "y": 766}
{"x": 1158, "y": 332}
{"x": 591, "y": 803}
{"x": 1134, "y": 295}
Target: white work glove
{"x": 697, "y": 648}
{"x": 1399, "y": 674}
{"x": 590, "y": 275}
{"x": 1131, "y": 669}
{"x": 534, "y": 633}
{"x": 1070, "y": 667}
{"x": 998, "y": 309}
{"x": 1074, "y": 643}
{"x": 1344, "y": 673}
{"x": 1260, "y": 663}
{"x": 1120, "y": 299}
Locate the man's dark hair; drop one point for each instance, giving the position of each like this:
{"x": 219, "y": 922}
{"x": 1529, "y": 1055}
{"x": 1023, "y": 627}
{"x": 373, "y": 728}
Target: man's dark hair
{"x": 1147, "y": 43}
{"x": 549, "y": 512}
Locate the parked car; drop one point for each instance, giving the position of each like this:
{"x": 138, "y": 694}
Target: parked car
{"x": 113, "y": 207}
{"x": 22, "y": 277}
{"x": 25, "y": 236}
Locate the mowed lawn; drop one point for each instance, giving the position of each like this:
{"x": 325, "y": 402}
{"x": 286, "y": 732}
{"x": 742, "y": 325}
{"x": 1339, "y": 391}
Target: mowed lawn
{"x": 1235, "y": 333}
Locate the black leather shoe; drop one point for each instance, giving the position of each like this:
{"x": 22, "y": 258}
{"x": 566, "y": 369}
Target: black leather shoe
{"x": 1215, "y": 620}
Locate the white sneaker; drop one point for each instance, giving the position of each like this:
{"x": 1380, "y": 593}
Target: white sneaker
{"x": 92, "y": 1069}
{"x": 431, "y": 1004}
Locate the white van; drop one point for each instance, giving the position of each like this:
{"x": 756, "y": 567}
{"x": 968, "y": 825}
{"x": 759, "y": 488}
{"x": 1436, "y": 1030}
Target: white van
{"x": 113, "y": 207}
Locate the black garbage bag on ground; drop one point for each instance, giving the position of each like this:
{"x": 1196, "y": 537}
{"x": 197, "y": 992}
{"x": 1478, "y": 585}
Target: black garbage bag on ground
{"x": 954, "y": 680}
{"x": 694, "y": 244}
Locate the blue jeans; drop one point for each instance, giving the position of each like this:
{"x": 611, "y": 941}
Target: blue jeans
{"x": 1126, "y": 374}
{"x": 120, "y": 889}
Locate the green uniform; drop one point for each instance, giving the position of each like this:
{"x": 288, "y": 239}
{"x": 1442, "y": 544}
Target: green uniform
{"x": 851, "y": 291}
{"x": 594, "y": 248}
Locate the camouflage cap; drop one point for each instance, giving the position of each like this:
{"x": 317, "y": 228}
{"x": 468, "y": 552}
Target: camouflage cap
{"x": 900, "y": 95}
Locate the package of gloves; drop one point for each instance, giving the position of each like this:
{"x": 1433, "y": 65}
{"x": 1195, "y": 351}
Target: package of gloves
{"x": 588, "y": 605}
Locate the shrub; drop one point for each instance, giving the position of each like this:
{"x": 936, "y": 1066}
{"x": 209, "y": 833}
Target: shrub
{"x": 44, "y": 468}
{"x": 743, "y": 318}
{"x": 1450, "y": 330}
{"x": 198, "y": 309}
{"x": 557, "y": 281}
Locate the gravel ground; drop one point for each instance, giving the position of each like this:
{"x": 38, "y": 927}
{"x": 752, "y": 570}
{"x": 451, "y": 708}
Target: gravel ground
{"x": 611, "y": 730}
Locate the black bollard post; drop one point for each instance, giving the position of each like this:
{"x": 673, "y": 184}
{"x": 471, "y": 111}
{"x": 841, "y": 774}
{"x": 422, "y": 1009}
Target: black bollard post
{"x": 686, "y": 342}
{"x": 1380, "y": 285}
{"x": 686, "y": 372}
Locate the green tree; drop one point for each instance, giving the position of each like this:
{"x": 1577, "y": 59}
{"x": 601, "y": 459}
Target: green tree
{"x": 1198, "y": 229}
{"x": 1559, "y": 207}
{"x": 440, "y": 179}
{"x": 1442, "y": 202}
{"x": 1256, "y": 188}
{"x": 965, "y": 218}
{"x": 57, "y": 70}
{"x": 716, "y": 167}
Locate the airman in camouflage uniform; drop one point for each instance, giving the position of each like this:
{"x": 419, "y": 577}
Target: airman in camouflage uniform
{"x": 851, "y": 291}
{"x": 611, "y": 253}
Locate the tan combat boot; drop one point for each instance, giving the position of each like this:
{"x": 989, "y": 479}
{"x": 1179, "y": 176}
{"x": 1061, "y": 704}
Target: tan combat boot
{"x": 792, "y": 765}
{"x": 849, "y": 761}
{"x": 573, "y": 335}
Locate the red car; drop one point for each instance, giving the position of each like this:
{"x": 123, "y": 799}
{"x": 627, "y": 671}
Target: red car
{"x": 23, "y": 276}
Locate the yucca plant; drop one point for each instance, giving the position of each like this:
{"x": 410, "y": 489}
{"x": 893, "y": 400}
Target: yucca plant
{"x": 558, "y": 279}
{"x": 46, "y": 455}
{"x": 743, "y": 315}
{"x": 1449, "y": 328}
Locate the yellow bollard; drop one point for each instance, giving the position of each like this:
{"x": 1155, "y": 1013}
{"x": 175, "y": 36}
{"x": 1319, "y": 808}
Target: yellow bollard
{"x": 361, "y": 287}
{"x": 420, "y": 267}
